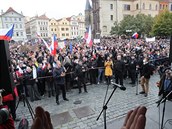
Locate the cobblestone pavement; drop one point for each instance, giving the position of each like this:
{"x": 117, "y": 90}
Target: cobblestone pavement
{"x": 120, "y": 103}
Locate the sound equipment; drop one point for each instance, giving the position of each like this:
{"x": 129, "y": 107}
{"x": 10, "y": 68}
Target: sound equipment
{"x": 6, "y": 74}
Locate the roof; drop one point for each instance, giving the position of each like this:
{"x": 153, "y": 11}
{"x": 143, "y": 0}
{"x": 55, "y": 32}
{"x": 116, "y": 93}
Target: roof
{"x": 44, "y": 17}
{"x": 11, "y": 10}
{"x": 68, "y": 18}
{"x": 87, "y": 6}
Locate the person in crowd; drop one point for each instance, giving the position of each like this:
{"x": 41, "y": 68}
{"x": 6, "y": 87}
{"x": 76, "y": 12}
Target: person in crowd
{"x": 93, "y": 70}
{"x": 49, "y": 79}
{"x": 119, "y": 68}
{"x": 100, "y": 65}
{"x": 108, "y": 70}
{"x": 146, "y": 73}
{"x": 59, "y": 81}
{"x": 31, "y": 85}
{"x": 132, "y": 69}
{"x": 166, "y": 84}
{"x": 79, "y": 73}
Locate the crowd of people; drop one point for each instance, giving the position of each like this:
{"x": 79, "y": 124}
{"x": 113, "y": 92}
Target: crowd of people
{"x": 35, "y": 68}
{"x": 37, "y": 72}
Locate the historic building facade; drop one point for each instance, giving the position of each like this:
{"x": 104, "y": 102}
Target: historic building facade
{"x": 10, "y": 17}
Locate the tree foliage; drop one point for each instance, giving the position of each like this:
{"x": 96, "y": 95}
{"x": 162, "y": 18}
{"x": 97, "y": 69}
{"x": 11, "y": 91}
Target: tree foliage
{"x": 141, "y": 24}
{"x": 162, "y": 24}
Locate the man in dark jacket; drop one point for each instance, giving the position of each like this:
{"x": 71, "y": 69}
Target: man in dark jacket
{"x": 79, "y": 73}
{"x": 100, "y": 65}
{"x": 146, "y": 73}
{"x": 119, "y": 70}
{"x": 132, "y": 70}
{"x": 59, "y": 81}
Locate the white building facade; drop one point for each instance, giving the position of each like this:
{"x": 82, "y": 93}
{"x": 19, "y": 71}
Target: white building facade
{"x": 39, "y": 25}
{"x": 11, "y": 17}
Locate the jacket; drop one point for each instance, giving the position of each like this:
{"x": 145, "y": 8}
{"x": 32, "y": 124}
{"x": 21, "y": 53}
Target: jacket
{"x": 108, "y": 68}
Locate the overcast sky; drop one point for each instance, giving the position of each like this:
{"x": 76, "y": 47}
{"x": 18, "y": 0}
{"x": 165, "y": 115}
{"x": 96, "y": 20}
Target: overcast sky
{"x": 53, "y": 8}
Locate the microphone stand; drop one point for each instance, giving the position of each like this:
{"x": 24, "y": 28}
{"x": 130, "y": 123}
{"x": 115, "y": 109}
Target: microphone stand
{"x": 163, "y": 99}
{"x": 105, "y": 108}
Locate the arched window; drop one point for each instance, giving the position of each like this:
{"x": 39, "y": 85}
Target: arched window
{"x": 143, "y": 6}
{"x": 137, "y": 6}
{"x": 150, "y": 7}
{"x": 156, "y": 7}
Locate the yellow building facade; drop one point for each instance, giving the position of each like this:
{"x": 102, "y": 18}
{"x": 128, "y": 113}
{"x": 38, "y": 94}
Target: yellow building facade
{"x": 64, "y": 29}
{"x": 53, "y": 28}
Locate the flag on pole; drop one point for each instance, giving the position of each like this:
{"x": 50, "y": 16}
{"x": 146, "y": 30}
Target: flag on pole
{"x": 46, "y": 44}
{"x": 54, "y": 45}
{"x": 71, "y": 47}
{"x": 88, "y": 37}
{"x": 135, "y": 35}
{"x": 6, "y": 34}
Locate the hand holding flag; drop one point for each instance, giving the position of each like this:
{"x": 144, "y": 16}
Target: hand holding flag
{"x": 6, "y": 34}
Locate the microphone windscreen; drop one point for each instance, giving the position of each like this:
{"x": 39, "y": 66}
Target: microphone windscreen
{"x": 4, "y": 115}
{"x": 123, "y": 88}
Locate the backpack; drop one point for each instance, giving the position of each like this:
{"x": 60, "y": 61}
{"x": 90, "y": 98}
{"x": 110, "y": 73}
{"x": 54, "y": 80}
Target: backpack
{"x": 24, "y": 124}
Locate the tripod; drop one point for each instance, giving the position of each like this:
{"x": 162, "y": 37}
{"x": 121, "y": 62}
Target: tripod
{"x": 25, "y": 101}
{"x": 163, "y": 99}
{"x": 105, "y": 105}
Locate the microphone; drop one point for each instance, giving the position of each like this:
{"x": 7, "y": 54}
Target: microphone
{"x": 119, "y": 86}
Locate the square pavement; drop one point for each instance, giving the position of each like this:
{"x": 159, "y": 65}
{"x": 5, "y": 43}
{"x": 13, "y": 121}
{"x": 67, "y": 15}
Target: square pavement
{"x": 120, "y": 103}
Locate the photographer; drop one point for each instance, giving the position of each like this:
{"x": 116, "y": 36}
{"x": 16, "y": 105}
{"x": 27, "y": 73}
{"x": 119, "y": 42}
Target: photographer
{"x": 31, "y": 85}
{"x": 166, "y": 84}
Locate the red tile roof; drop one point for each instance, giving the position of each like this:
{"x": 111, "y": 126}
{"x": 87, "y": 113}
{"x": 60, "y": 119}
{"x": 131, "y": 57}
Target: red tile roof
{"x": 11, "y": 10}
{"x": 44, "y": 17}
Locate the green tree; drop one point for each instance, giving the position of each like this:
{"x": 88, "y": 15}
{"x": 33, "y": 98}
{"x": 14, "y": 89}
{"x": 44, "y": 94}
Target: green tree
{"x": 141, "y": 24}
{"x": 163, "y": 24}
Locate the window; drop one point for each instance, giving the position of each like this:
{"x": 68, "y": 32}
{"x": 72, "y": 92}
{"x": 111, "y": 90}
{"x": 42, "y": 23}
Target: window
{"x": 6, "y": 18}
{"x": 16, "y": 26}
{"x": 41, "y": 34}
{"x": 15, "y": 19}
{"x": 137, "y": 6}
{"x": 143, "y": 6}
{"x": 39, "y": 23}
{"x": 46, "y": 35}
{"x": 163, "y": 6}
{"x": 20, "y": 25}
{"x": 52, "y": 29}
{"x": 19, "y": 19}
{"x": 111, "y": 6}
{"x": 45, "y": 28}
{"x": 63, "y": 34}
{"x": 156, "y": 7}
{"x": 40, "y": 28}
{"x": 17, "y": 34}
{"x": 160, "y": 6}
{"x": 104, "y": 28}
{"x": 21, "y": 33}
{"x": 126, "y": 7}
{"x": 10, "y": 19}
{"x": 6, "y": 25}
{"x": 67, "y": 34}
{"x": 111, "y": 17}
{"x": 171, "y": 7}
{"x": 62, "y": 29}
{"x": 54, "y": 23}
{"x": 67, "y": 29}
{"x": 51, "y": 23}
{"x": 150, "y": 7}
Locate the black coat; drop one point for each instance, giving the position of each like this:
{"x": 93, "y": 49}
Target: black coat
{"x": 119, "y": 66}
{"x": 29, "y": 78}
{"x": 147, "y": 71}
{"x": 57, "y": 76}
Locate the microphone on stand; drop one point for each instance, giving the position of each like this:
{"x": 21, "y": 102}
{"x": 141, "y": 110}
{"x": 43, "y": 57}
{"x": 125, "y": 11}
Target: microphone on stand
{"x": 119, "y": 86}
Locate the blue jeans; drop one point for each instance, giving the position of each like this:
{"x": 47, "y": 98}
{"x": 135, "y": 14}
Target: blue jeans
{"x": 100, "y": 74}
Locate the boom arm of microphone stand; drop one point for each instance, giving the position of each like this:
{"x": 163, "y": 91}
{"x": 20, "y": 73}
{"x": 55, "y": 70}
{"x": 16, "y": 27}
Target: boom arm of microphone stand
{"x": 164, "y": 98}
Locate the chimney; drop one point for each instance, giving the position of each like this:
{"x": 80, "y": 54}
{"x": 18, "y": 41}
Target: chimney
{"x": 21, "y": 13}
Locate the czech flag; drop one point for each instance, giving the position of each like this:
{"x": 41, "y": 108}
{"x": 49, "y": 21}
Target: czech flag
{"x": 135, "y": 35}
{"x": 88, "y": 37}
{"x": 6, "y": 34}
{"x": 54, "y": 45}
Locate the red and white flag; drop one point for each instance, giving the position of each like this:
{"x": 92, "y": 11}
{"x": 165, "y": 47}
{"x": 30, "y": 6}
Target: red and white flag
{"x": 88, "y": 37}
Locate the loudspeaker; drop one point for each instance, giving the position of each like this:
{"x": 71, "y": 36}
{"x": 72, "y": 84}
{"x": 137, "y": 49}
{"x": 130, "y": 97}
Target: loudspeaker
{"x": 6, "y": 74}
